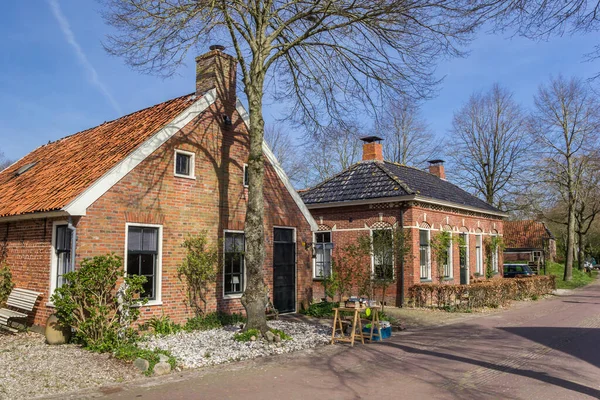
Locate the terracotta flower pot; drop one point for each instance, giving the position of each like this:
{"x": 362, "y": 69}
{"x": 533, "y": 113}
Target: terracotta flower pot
{"x": 56, "y": 333}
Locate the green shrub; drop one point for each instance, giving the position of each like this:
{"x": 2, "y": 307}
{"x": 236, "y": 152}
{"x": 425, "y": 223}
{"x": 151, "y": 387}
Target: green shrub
{"x": 129, "y": 352}
{"x": 490, "y": 293}
{"x": 281, "y": 334}
{"x": 6, "y": 283}
{"x": 198, "y": 270}
{"x": 90, "y": 302}
{"x": 164, "y": 325}
{"x": 213, "y": 321}
{"x": 247, "y": 335}
{"x": 321, "y": 310}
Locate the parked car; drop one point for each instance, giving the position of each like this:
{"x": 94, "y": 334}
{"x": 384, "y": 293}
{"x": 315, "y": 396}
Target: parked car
{"x": 517, "y": 271}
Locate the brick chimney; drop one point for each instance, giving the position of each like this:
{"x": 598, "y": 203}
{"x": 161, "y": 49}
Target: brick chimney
{"x": 372, "y": 148}
{"x": 216, "y": 69}
{"x": 436, "y": 167}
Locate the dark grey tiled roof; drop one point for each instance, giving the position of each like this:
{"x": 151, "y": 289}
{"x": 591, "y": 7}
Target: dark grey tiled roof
{"x": 372, "y": 180}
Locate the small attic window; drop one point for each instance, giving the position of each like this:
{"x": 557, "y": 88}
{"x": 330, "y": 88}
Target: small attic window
{"x": 25, "y": 168}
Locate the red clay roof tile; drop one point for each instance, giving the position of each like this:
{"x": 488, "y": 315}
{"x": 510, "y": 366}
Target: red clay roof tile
{"x": 526, "y": 234}
{"x": 65, "y": 168}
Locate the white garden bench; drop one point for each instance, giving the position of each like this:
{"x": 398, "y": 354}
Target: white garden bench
{"x": 21, "y": 299}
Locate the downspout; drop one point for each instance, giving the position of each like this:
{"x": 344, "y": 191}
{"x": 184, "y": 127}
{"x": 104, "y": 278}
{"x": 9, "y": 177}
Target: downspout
{"x": 402, "y": 260}
{"x": 73, "y": 230}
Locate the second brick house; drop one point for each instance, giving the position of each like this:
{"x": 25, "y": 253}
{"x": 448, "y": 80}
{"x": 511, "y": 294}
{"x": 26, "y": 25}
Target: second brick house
{"x": 138, "y": 185}
{"x": 374, "y": 196}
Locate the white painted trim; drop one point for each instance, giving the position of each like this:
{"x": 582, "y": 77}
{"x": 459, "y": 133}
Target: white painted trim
{"x": 280, "y": 172}
{"x": 479, "y": 257}
{"x": 80, "y": 204}
{"x": 235, "y": 295}
{"x": 314, "y": 260}
{"x": 244, "y": 170}
{"x": 23, "y": 217}
{"x": 158, "y": 278}
{"x": 192, "y": 165}
{"x": 429, "y": 272}
{"x": 53, "y": 259}
{"x": 422, "y": 199}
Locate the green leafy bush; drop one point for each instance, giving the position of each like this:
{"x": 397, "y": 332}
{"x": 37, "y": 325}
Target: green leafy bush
{"x": 281, "y": 334}
{"x": 6, "y": 283}
{"x": 213, "y": 321}
{"x": 247, "y": 335}
{"x": 198, "y": 270}
{"x": 164, "y": 325}
{"x": 90, "y": 302}
{"x": 489, "y": 293}
{"x": 320, "y": 310}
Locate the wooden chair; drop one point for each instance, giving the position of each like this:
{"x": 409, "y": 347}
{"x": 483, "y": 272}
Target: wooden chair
{"x": 20, "y": 299}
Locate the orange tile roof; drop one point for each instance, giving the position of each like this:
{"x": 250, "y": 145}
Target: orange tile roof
{"x": 65, "y": 168}
{"x": 526, "y": 234}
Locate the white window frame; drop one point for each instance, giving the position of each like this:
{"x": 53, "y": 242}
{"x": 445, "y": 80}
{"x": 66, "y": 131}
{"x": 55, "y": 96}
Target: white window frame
{"x": 373, "y": 254}
{"x": 467, "y": 258}
{"x": 479, "y": 254}
{"x": 158, "y": 300}
{"x": 192, "y": 156}
{"x": 533, "y": 256}
{"x": 495, "y": 258}
{"x": 428, "y": 278}
{"x": 449, "y": 262}
{"x": 244, "y": 172}
{"x": 314, "y": 261}
{"x": 234, "y": 295}
{"x": 54, "y": 260}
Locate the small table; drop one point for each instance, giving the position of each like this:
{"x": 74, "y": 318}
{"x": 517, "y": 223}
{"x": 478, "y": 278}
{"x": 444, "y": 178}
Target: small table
{"x": 337, "y": 324}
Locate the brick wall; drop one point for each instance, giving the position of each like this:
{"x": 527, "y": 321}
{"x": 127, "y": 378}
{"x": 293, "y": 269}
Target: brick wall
{"x": 151, "y": 194}
{"x": 348, "y": 223}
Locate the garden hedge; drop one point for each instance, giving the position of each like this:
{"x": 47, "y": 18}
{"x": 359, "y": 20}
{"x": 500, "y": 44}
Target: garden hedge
{"x": 479, "y": 294}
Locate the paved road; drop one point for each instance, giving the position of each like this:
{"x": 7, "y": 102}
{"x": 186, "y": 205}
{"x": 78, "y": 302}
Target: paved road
{"x": 549, "y": 350}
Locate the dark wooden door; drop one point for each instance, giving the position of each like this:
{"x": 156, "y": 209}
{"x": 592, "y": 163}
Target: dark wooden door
{"x": 284, "y": 270}
{"x": 463, "y": 259}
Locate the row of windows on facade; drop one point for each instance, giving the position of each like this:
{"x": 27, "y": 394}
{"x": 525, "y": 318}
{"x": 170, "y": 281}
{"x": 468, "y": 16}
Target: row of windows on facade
{"x": 143, "y": 258}
{"x": 448, "y": 271}
{"x": 185, "y": 162}
{"x": 382, "y": 261}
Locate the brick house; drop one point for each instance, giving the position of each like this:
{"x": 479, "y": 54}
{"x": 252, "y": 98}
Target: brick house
{"x": 138, "y": 185}
{"x": 529, "y": 241}
{"x": 375, "y": 195}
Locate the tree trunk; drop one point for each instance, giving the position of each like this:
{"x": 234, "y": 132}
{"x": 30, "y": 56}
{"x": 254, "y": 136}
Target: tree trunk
{"x": 570, "y": 244}
{"x": 255, "y": 297}
{"x": 580, "y": 254}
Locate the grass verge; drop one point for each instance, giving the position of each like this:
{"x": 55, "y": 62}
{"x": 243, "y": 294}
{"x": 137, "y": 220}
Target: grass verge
{"x": 580, "y": 278}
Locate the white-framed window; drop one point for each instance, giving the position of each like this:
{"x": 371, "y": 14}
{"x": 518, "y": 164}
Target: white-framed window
{"x": 449, "y": 264}
{"x": 495, "y": 259}
{"x": 245, "y": 177}
{"x": 382, "y": 261}
{"x": 478, "y": 255}
{"x": 464, "y": 250}
{"x": 234, "y": 268}
{"x": 62, "y": 254}
{"x": 424, "y": 254}
{"x": 536, "y": 256}
{"x": 185, "y": 162}
{"x": 143, "y": 256}
{"x": 322, "y": 261}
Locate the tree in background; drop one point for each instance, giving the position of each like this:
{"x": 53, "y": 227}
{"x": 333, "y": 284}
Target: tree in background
{"x": 328, "y": 60}
{"x": 4, "y": 162}
{"x": 489, "y": 147}
{"x": 408, "y": 138}
{"x": 565, "y": 127}
{"x": 287, "y": 153}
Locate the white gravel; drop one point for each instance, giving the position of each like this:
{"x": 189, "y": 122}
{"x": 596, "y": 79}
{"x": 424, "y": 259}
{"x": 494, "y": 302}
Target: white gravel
{"x": 217, "y": 346}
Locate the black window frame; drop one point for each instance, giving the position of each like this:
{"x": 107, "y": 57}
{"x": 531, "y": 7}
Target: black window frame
{"x": 231, "y": 257}
{"x": 63, "y": 253}
{"x": 190, "y": 157}
{"x": 140, "y": 254}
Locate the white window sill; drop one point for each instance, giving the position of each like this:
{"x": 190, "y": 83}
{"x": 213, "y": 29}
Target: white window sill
{"x": 50, "y": 304}
{"x": 149, "y": 304}
{"x": 232, "y": 296}
{"x": 185, "y": 176}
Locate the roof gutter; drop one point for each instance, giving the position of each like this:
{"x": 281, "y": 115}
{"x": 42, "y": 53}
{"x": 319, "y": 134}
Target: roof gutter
{"x": 34, "y": 215}
{"x": 413, "y": 197}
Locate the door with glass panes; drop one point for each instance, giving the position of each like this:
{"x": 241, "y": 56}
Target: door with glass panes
{"x": 284, "y": 270}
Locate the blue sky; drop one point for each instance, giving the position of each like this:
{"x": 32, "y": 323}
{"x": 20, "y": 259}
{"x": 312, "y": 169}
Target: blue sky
{"x": 56, "y": 79}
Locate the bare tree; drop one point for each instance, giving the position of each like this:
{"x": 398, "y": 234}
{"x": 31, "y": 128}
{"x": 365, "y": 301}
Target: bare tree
{"x": 327, "y": 59}
{"x": 565, "y": 127}
{"x": 331, "y": 150}
{"x": 489, "y": 148}
{"x": 4, "y": 162}
{"x": 287, "y": 153}
{"x": 409, "y": 140}
{"x": 587, "y": 206}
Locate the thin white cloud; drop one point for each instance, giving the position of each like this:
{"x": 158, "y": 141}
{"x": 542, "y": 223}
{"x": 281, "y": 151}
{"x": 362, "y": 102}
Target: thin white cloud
{"x": 70, "y": 37}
